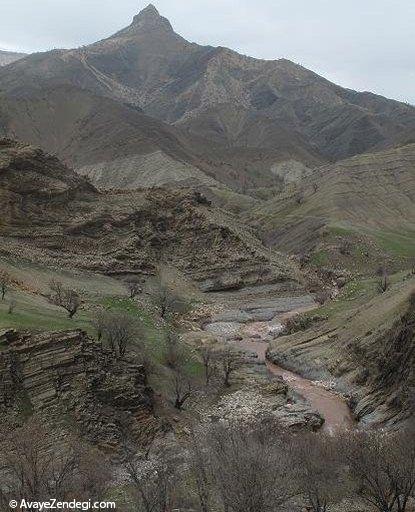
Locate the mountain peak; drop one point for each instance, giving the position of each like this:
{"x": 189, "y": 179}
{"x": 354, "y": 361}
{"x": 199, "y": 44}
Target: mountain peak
{"x": 149, "y": 18}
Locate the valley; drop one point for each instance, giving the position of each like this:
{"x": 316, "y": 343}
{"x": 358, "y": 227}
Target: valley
{"x": 207, "y": 281}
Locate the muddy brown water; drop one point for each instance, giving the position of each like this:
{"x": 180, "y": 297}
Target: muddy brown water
{"x": 329, "y": 404}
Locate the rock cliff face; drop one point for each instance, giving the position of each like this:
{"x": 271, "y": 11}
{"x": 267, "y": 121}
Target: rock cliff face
{"x": 388, "y": 372}
{"x": 72, "y": 382}
{"x": 52, "y": 215}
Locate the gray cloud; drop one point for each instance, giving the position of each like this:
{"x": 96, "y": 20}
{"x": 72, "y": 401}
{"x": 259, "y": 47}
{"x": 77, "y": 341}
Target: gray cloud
{"x": 361, "y": 44}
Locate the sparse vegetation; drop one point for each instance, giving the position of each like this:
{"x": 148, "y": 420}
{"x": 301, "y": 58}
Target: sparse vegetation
{"x": 383, "y": 466}
{"x": 209, "y": 355}
{"x": 119, "y": 331}
{"x": 166, "y": 301}
{"x": 34, "y": 469}
{"x": 134, "y": 286}
{"x": 230, "y": 360}
{"x": 5, "y": 281}
{"x": 65, "y": 298}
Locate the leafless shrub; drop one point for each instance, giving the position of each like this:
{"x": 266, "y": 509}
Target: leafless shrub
{"x": 134, "y": 286}
{"x": 5, "y": 281}
{"x": 154, "y": 479}
{"x": 174, "y": 351}
{"x": 322, "y": 297}
{"x": 230, "y": 360}
{"x": 119, "y": 331}
{"x": 209, "y": 355}
{"x": 383, "y": 466}
{"x": 32, "y": 468}
{"x": 200, "y": 470}
{"x": 318, "y": 470}
{"x": 250, "y": 468}
{"x": 183, "y": 387}
{"x": 99, "y": 322}
{"x": 64, "y": 297}
{"x": 166, "y": 301}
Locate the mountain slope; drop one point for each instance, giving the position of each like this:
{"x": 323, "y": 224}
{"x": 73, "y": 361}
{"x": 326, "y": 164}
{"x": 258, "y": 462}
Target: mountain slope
{"x": 9, "y": 57}
{"x": 118, "y": 146}
{"x": 367, "y": 200}
{"x": 215, "y": 92}
{"x": 92, "y": 133}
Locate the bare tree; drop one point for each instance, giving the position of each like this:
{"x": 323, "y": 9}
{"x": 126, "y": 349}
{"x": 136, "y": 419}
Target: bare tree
{"x": 318, "y": 470}
{"x": 32, "y": 467}
{"x": 183, "y": 387}
{"x": 166, "y": 301}
{"x": 383, "y": 466}
{"x": 5, "y": 280}
{"x": 173, "y": 349}
{"x": 200, "y": 469}
{"x": 154, "y": 479}
{"x": 230, "y": 360}
{"x": 64, "y": 297}
{"x": 209, "y": 356}
{"x": 120, "y": 331}
{"x": 251, "y": 468}
{"x": 99, "y": 322}
{"x": 134, "y": 286}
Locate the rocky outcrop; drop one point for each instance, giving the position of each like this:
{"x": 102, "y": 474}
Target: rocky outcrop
{"x": 71, "y": 381}
{"x": 268, "y": 402}
{"x": 52, "y": 215}
{"x": 387, "y": 377}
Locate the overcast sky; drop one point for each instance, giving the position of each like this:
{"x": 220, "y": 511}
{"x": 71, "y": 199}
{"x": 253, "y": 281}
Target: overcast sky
{"x": 361, "y": 44}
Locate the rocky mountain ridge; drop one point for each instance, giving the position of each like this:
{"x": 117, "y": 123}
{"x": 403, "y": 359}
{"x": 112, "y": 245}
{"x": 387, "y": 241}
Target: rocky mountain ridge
{"x": 224, "y": 103}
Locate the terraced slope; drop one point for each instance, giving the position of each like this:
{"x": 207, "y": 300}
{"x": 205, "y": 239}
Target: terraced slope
{"x": 52, "y": 215}
{"x": 363, "y": 207}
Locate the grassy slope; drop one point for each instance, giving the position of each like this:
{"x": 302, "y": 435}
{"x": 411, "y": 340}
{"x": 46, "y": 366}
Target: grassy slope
{"x": 34, "y": 312}
{"x": 338, "y": 347}
{"x": 368, "y": 200}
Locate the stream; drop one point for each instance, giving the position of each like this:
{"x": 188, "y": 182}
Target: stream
{"x": 329, "y": 404}
{"x": 253, "y": 324}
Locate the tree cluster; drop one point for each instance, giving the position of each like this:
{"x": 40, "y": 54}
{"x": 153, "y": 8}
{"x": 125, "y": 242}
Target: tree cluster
{"x": 262, "y": 468}
{"x": 34, "y": 468}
